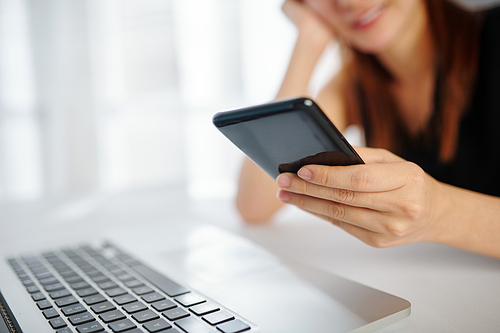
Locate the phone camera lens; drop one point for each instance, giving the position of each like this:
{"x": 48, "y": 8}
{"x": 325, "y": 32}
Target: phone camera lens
{"x": 308, "y": 102}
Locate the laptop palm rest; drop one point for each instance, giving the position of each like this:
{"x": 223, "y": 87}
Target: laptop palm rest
{"x": 277, "y": 294}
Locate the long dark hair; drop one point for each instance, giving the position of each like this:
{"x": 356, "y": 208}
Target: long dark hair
{"x": 455, "y": 32}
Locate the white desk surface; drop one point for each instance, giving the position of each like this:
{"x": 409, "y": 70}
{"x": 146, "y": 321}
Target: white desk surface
{"x": 450, "y": 290}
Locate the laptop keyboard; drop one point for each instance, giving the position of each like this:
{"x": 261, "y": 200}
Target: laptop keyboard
{"x": 102, "y": 289}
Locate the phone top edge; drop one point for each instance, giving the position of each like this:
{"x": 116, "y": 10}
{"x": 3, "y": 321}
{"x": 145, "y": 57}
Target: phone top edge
{"x": 226, "y": 118}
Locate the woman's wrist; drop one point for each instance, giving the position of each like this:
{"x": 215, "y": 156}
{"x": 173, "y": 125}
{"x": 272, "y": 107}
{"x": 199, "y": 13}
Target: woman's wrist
{"x": 306, "y": 54}
{"x": 467, "y": 220}
{"x": 314, "y": 36}
{"x": 442, "y": 202}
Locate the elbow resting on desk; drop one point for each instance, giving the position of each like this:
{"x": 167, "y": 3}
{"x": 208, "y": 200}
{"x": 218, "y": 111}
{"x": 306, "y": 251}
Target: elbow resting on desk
{"x": 252, "y": 213}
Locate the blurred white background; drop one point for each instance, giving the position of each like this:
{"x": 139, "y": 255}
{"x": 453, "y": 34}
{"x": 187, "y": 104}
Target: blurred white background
{"x": 111, "y": 95}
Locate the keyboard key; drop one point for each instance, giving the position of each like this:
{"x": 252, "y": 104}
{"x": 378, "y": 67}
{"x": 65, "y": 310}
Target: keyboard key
{"x": 91, "y": 300}
{"x": 116, "y": 292}
{"x": 79, "y": 285}
{"x": 122, "y": 326}
{"x": 13, "y": 262}
{"x": 33, "y": 289}
{"x": 124, "y": 299}
{"x": 111, "y": 266}
{"x": 40, "y": 270}
{"x": 42, "y": 305}
{"x": 28, "y": 282}
{"x": 90, "y": 328}
{"x": 193, "y": 325}
{"x": 163, "y": 283}
{"x": 64, "y": 330}
{"x": 43, "y": 275}
{"x": 50, "y": 313}
{"x": 100, "y": 278}
{"x": 28, "y": 259}
{"x": 234, "y": 326}
{"x": 36, "y": 265}
{"x": 117, "y": 271}
{"x": 49, "y": 280}
{"x": 175, "y": 314}
{"x": 57, "y": 323}
{"x": 124, "y": 257}
{"x": 157, "y": 325}
{"x": 38, "y": 297}
{"x": 153, "y": 297}
{"x": 103, "y": 307}
{"x": 69, "y": 273}
{"x": 73, "y": 309}
{"x": 134, "y": 284}
{"x": 142, "y": 290}
{"x": 190, "y": 299}
{"x": 94, "y": 274}
{"x": 19, "y": 270}
{"x": 53, "y": 287}
{"x": 134, "y": 307}
{"x": 81, "y": 318}
{"x": 203, "y": 309}
{"x": 59, "y": 264}
{"x": 142, "y": 317}
{"x": 107, "y": 285}
{"x": 86, "y": 292}
{"x": 86, "y": 267}
{"x": 64, "y": 269}
{"x": 74, "y": 279}
{"x": 108, "y": 264}
{"x": 125, "y": 277}
{"x": 66, "y": 301}
{"x": 110, "y": 316}
{"x": 59, "y": 293}
{"x": 218, "y": 317}
{"x": 164, "y": 305}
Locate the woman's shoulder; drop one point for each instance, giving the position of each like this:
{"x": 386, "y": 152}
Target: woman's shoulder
{"x": 493, "y": 11}
{"x": 492, "y": 20}
{"x": 490, "y": 38}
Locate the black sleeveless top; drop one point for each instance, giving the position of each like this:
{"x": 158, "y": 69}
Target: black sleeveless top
{"x": 476, "y": 166}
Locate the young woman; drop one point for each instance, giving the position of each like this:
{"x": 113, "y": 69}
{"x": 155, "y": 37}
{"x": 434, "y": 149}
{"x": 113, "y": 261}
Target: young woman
{"x": 422, "y": 77}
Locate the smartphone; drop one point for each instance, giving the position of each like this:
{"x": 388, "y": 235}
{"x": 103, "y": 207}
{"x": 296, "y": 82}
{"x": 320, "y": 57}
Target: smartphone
{"x": 285, "y": 135}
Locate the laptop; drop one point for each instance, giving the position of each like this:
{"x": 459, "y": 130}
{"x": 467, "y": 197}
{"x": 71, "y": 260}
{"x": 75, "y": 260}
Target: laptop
{"x": 178, "y": 276}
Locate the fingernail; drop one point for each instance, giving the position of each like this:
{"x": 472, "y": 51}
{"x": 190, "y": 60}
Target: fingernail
{"x": 305, "y": 173}
{"x": 283, "y": 196}
{"x": 283, "y": 180}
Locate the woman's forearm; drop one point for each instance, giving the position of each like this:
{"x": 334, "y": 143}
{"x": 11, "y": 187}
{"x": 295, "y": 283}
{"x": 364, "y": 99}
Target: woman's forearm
{"x": 470, "y": 221}
{"x": 308, "y": 49}
{"x": 256, "y": 198}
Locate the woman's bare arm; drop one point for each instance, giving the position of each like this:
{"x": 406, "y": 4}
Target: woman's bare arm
{"x": 256, "y": 199}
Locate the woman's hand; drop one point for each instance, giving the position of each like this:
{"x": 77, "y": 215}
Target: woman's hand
{"x": 385, "y": 202}
{"x": 307, "y": 21}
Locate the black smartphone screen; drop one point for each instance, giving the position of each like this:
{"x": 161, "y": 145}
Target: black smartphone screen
{"x": 285, "y": 135}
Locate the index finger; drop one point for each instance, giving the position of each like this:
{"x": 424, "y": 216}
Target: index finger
{"x": 378, "y": 177}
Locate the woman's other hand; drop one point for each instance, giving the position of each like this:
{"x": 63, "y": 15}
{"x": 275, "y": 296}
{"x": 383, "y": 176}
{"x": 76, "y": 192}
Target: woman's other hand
{"x": 385, "y": 202}
{"x": 307, "y": 21}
